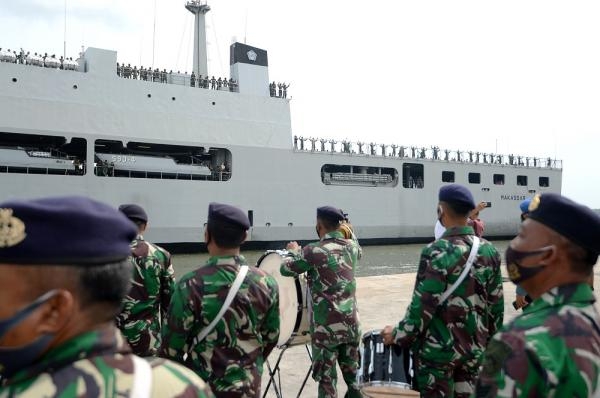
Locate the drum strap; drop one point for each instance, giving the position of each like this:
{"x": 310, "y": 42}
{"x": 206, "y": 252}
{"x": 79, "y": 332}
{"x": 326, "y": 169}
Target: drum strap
{"x": 470, "y": 261}
{"x": 239, "y": 279}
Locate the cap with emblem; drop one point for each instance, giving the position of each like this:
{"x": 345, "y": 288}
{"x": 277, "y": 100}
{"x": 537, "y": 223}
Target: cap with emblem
{"x": 578, "y": 223}
{"x": 69, "y": 230}
{"x": 229, "y": 214}
{"x": 456, "y": 193}
{"x": 524, "y": 206}
{"x": 330, "y": 213}
{"x": 134, "y": 212}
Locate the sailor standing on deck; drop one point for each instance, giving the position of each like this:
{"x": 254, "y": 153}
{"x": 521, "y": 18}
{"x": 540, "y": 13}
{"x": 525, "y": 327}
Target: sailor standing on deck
{"x": 553, "y": 348}
{"x": 330, "y": 265}
{"x": 64, "y": 272}
{"x": 144, "y": 309}
{"x": 230, "y": 353}
{"x": 447, "y": 329}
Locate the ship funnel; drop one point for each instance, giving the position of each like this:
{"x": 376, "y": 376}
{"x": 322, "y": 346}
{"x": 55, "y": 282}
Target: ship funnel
{"x": 199, "y": 9}
{"x": 249, "y": 68}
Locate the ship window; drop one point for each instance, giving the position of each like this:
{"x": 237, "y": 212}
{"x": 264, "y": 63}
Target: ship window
{"x": 522, "y": 180}
{"x": 447, "y": 176}
{"x": 475, "y": 178}
{"x": 336, "y": 174}
{"x": 499, "y": 179}
{"x": 544, "y": 182}
{"x": 42, "y": 154}
{"x": 112, "y": 158}
{"x": 412, "y": 175}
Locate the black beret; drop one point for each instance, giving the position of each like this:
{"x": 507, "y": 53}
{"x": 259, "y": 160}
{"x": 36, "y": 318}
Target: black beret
{"x": 456, "y": 193}
{"x": 69, "y": 230}
{"x": 578, "y": 223}
{"x": 229, "y": 214}
{"x": 134, "y": 212}
{"x": 330, "y": 213}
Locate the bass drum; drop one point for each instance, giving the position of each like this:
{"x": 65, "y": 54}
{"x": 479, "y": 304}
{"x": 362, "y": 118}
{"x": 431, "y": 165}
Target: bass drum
{"x": 294, "y": 300}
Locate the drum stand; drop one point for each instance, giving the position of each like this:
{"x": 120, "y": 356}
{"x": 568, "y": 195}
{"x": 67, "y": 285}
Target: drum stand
{"x": 275, "y": 374}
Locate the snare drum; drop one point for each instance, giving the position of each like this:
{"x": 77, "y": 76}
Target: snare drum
{"x": 294, "y": 300}
{"x": 384, "y": 370}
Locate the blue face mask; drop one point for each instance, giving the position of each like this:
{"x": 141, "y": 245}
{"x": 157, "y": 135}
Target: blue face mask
{"x": 13, "y": 359}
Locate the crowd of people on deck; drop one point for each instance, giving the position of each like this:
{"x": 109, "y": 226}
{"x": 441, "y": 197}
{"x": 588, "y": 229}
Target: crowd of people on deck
{"x": 91, "y": 308}
{"x": 162, "y": 76}
{"x": 278, "y": 90}
{"x": 35, "y": 59}
{"x": 414, "y": 152}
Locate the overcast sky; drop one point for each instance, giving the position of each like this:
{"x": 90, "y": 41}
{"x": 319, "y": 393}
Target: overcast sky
{"x": 519, "y": 76}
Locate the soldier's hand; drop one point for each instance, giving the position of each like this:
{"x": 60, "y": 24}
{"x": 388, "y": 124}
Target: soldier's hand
{"x": 293, "y": 246}
{"x": 387, "y": 333}
{"x": 520, "y": 302}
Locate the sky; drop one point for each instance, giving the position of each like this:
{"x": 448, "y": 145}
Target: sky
{"x": 511, "y": 76}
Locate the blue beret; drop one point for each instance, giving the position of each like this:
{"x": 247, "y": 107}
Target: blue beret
{"x": 134, "y": 212}
{"x": 69, "y": 230}
{"x": 576, "y": 222}
{"x": 524, "y": 206}
{"x": 455, "y": 193}
{"x": 330, "y": 213}
{"x": 230, "y": 214}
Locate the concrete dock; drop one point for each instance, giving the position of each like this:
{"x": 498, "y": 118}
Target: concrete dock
{"x": 382, "y": 300}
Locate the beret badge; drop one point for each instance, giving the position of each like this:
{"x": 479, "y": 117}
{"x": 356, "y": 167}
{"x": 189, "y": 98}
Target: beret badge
{"x": 12, "y": 230}
{"x": 535, "y": 202}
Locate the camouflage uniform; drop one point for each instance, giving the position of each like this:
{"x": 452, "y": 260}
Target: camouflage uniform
{"x": 99, "y": 364}
{"x": 551, "y": 350}
{"x": 448, "y": 340}
{"x": 330, "y": 265}
{"x": 231, "y": 357}
{"x": 144, "y": 308}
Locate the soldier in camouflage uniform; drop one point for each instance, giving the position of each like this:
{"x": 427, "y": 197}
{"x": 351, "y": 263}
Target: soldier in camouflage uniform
{"x": 553, "y": 348}
{"x": 448, "y": 339}
{"x": 330, "y": 265}
{"x": 230, "y": 358}
{"x": 60, "y": 292}
{"x": 145, "y": 307}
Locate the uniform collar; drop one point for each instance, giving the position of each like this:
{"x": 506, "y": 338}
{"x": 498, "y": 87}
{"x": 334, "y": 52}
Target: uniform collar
{"x": 226, "y": 260}
{"x": 106, "y": 340}
{"x": 333, "y": 235}
{"x": 560, "y": 295}
{"x": 456, "y": 231}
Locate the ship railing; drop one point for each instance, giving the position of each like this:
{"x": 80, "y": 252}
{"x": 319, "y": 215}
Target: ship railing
{"x": 178, "y": 78}
{"x": 111, "y": 171}
{"x": 46, "y": 61}
{"x": 304, "y": 144}
{"x": 19, "y": 169}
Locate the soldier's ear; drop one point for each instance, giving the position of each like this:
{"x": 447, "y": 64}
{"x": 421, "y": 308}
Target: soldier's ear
{"x": 56, "y": 313}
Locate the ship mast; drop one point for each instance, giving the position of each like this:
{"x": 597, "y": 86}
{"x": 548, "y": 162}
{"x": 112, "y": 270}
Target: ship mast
{"x": 199, "y": 8}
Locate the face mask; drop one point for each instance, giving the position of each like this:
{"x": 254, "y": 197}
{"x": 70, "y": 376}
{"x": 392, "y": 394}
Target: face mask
{"x": 517, "y": 272}
{"x": 13, "y": 359}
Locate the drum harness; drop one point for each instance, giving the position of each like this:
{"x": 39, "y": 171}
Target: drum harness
{"x": 463, "y": 275}
{"x": 235, "y": 287}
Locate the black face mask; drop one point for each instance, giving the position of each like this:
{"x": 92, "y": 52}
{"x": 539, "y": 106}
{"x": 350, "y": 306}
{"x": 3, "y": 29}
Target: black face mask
{"x": 517, "y": 272}
{"x": 13, "y": 359}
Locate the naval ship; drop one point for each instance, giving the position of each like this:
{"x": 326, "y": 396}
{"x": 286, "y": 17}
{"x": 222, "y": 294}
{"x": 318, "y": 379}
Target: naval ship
{"x": 173, "y": 144}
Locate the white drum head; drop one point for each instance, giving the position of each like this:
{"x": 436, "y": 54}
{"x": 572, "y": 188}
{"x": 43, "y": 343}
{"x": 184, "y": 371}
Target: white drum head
{"x": 288, "y": 297}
